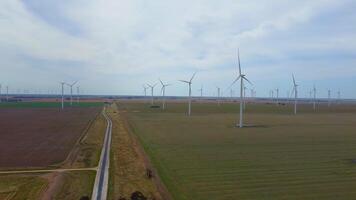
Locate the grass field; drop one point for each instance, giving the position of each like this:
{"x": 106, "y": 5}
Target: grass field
{"x": 46, "y": 104}
{"x": 19, "y": 187}
{"x": 308, "y": 156}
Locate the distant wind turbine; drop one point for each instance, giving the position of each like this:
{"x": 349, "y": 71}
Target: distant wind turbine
{"x": 201, "y": 91}
{"x": 218, "y": 90}
{"x": 329, "y": 98}
{"x": 277, "y": 96}
{"x": 295, "y": 91}
{"x": 339, "y": 96}
{"x": 71, "y": 91}
{"x": 7, "y": 93}
{"x": 62, "y": 84}
{"x": 78, "y": 94}
{"x": 314, "y": 96}
{"x": 163, "y": 90}
{"x": 145, "y": 90}
{"x": 189, "y": 93}
{"x": 152, "y": 87}
{"x": 240, "y": 77}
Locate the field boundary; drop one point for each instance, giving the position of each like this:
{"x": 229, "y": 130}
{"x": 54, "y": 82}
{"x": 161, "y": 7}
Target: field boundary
{"x": 80, "y": 140}
{"x": 161, "y": 187}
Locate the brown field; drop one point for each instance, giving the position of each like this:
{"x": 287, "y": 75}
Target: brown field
{"x": 40, "y": 137}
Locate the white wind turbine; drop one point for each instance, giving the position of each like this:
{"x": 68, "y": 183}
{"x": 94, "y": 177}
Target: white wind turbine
{"x": 240, "y": 77}
{"x": 7, "y": 93}
{"x": 163, "y": 90}
{"x": 145, "y": 90}
{"x": 78, "y": 94}
{"x": 152, "y": 87}
{"x": 295, "y": 91}
{"x": 62, "y": 84}
{"x": 218, "y": 90}
{"x": 201, "y": 91}
{"x": 189, "y": 92}
{"x": 329, "y": 98}
{"x": 277, "y": 96}
{"x": 71, "y": 91}
{"x": 314, "y": 96}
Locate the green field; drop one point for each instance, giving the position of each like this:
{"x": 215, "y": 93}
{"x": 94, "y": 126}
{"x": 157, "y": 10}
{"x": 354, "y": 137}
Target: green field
{"x": 308, "y": 156}
{"x": 46, "y": 104}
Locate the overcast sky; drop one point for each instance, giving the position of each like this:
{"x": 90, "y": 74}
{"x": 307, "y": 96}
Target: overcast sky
{"x": 115, "y": 46}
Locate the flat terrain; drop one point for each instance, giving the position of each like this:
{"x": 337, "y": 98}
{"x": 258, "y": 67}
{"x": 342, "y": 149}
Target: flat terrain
{"x": 282, "y": 156}
{"x": 39, "y": 137}
{"x": 128, "y": 165}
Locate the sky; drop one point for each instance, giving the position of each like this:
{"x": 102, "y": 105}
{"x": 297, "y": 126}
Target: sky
{"x": 116, "y": 46}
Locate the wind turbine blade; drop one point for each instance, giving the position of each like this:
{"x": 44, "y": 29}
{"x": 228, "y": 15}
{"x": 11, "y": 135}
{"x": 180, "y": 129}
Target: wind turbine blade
{"x": 247, "y": 80}
{"x": 154, "y": 85}
{"x": 238, "y": 57}
{"x": 294, "y": 80}
{"x": 184, "y": 81}
{"x": 149, "y": 85}
{"x": 160, "y": 81}
{"x": 192, "y": 77}
{"x": 235, "y": 81}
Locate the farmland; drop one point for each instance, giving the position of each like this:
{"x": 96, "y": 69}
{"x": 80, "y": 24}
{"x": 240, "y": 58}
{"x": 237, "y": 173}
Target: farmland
{"x": 281, "y": 156}
{"x": 42, "y": 136}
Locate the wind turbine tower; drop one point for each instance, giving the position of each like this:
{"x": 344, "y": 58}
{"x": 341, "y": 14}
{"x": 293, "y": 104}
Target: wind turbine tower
{"x": 277, "y": 96}
{"x": 7, "y": 93}
{"x": 189, "y": 93}
{"x": 295, "y": 90}
{"x": 329, "y": 98}
{"x": 62, "y": 83}
{"x": 314, "y": 93}
{"x": 78, "y": 94}
{"x": 218, "y": 89}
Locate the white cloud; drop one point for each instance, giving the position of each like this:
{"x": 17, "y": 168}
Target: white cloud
{"x": 145, "y": 40}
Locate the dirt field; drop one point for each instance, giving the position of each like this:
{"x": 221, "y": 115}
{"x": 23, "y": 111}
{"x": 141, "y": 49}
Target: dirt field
{"x": 40, "y": 137}
{"x": 308, "y": 156}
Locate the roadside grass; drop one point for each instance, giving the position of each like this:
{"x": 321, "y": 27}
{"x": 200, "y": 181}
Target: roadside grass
{"x": 19, "y": 187}
{"x": 127, "y": 165}
{"x": 308, "y": 156}
{"x": 47, "y": 104}
{"x": 75, "y": 185}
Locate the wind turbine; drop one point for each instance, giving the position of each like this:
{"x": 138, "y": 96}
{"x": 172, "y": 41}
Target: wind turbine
{"x": 71, "y": 91}
{"x": 190, "y": 93}
{"x": 218, "y": 89}
{"x": 145, "y": 90}
{"x": 163, "y": 90}
{"x": 152, "y": 87}
{"x": 314, "y": 93}
{"x": 62, "y": 83}
{"x": 295, "y": 86}
{"x": 339, "y": 96}
{"x": 7, "y": 93}
{"x": 201, "y": 91}
{"x": 78, "y": 94}
{"x": 277, "y": 96}
{"x": 329, "y": 98}
{"x": 240, "y": 77}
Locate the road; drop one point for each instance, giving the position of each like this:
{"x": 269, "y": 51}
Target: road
{"x": 100, "y": 188}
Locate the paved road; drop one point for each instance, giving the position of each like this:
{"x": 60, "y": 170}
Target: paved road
{"x": 100, "y": 189}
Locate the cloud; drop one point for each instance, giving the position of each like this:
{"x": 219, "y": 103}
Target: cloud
{"x": 122, "y": 44}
